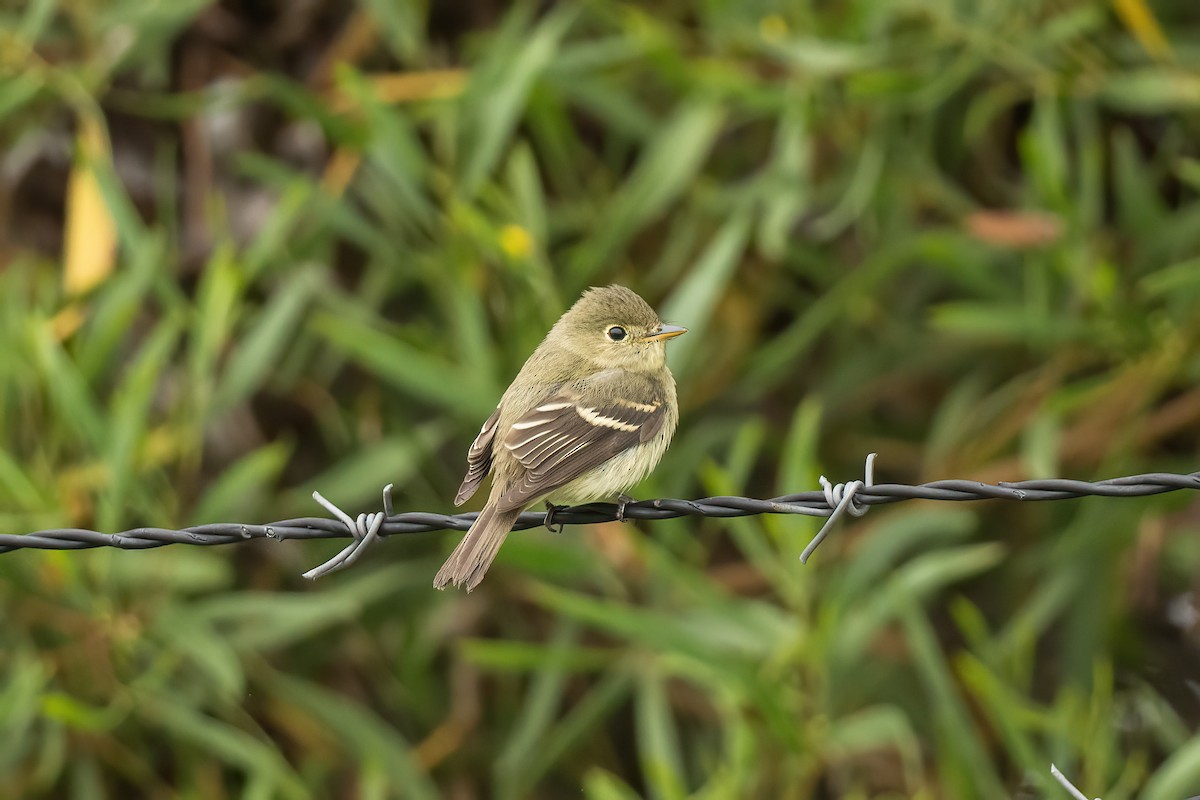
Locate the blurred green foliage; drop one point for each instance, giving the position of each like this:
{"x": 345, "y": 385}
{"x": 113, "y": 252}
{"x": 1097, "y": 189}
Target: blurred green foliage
{"x": 964, "y": 235}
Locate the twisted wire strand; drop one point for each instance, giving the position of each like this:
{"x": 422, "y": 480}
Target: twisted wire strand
{"x": 811, "y": 503}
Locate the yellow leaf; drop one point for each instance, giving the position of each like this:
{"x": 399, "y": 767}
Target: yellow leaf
{"x": 66, "y": 322}
{"x": 516, "y": 242}
{"x": 773, "y": 28}
{"x": 1140, "y": 20}
{"x": 90, "y": 235}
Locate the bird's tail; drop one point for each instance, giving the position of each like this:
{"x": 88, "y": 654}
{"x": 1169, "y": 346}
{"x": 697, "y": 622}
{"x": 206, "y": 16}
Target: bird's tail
{"x": 469, "y": 562}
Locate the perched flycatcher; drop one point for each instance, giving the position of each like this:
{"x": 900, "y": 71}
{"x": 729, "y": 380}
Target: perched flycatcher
{"x": 588, "y": 416}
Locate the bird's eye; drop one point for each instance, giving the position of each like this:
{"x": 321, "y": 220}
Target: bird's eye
{"x": 616, "y": 333}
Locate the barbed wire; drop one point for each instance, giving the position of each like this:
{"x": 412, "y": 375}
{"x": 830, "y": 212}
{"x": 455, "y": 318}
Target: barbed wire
{"x": 1071, "y": 788}
{"x": 831, "y": 501}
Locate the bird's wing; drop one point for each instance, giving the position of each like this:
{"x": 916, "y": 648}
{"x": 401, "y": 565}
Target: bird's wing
{"x": 565, "y": 436}
{"x": 479, "y": 459}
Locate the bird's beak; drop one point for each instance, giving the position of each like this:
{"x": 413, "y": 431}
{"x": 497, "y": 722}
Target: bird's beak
{"x": 665, "y": 332}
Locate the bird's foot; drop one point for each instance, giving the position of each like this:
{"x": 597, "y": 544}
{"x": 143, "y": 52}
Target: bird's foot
{"x": 622, "y": 501}
{"x": 551, "y": 510}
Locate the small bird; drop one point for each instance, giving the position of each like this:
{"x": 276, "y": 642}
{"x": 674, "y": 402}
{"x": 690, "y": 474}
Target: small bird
{"x": 587, "y": 417}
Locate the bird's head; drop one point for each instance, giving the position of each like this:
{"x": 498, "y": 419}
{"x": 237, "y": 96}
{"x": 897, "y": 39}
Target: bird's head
{"x": 617, "y": 329}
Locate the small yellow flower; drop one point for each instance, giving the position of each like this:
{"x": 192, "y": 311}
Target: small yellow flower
{"x": 516, "y": 242}
{"x": 773, "y": 28}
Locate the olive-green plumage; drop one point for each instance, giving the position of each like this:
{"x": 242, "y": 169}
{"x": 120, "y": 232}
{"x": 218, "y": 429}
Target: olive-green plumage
{"x": 588, "y": 416}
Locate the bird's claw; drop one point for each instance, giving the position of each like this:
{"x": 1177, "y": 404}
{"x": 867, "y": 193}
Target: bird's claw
{"x": 622, "y": 501}
{"x": 551, "y": 510}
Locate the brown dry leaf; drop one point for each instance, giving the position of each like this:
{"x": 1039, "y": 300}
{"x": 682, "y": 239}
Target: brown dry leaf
{"x": 616, "y": 546}
{"x": 1129, "y": 393}
{"x": 90, "y": 235}
{"x": 355, "y": 40}
{"x": 1141, "y": 571}
{"x": 77, "y": 487}
{"x": 463, "y": 718}
{"x": 1016, "y": 230}
{"x": 339, "y": 170}
{"x": 1099, "y": 427}
{"x": 739, "y": 577}
{"x": 403, "y": 87}
{"x": 1177, "y": 414}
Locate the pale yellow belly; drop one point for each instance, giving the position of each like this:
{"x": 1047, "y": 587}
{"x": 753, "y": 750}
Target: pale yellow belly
{"x": 613, "y": 477}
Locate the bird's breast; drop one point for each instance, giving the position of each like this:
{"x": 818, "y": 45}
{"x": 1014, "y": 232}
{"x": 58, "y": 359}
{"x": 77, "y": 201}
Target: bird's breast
{"x": 615, "y": 476}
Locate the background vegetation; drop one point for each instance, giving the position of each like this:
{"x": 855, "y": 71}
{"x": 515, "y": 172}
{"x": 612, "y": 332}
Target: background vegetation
{"x": 252, "y": 249}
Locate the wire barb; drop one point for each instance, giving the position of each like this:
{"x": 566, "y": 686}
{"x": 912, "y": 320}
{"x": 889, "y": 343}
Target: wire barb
{"x": 364, "y": 530}
{"x": 1066, "y": 784}
{"x": 841, "y": 501}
